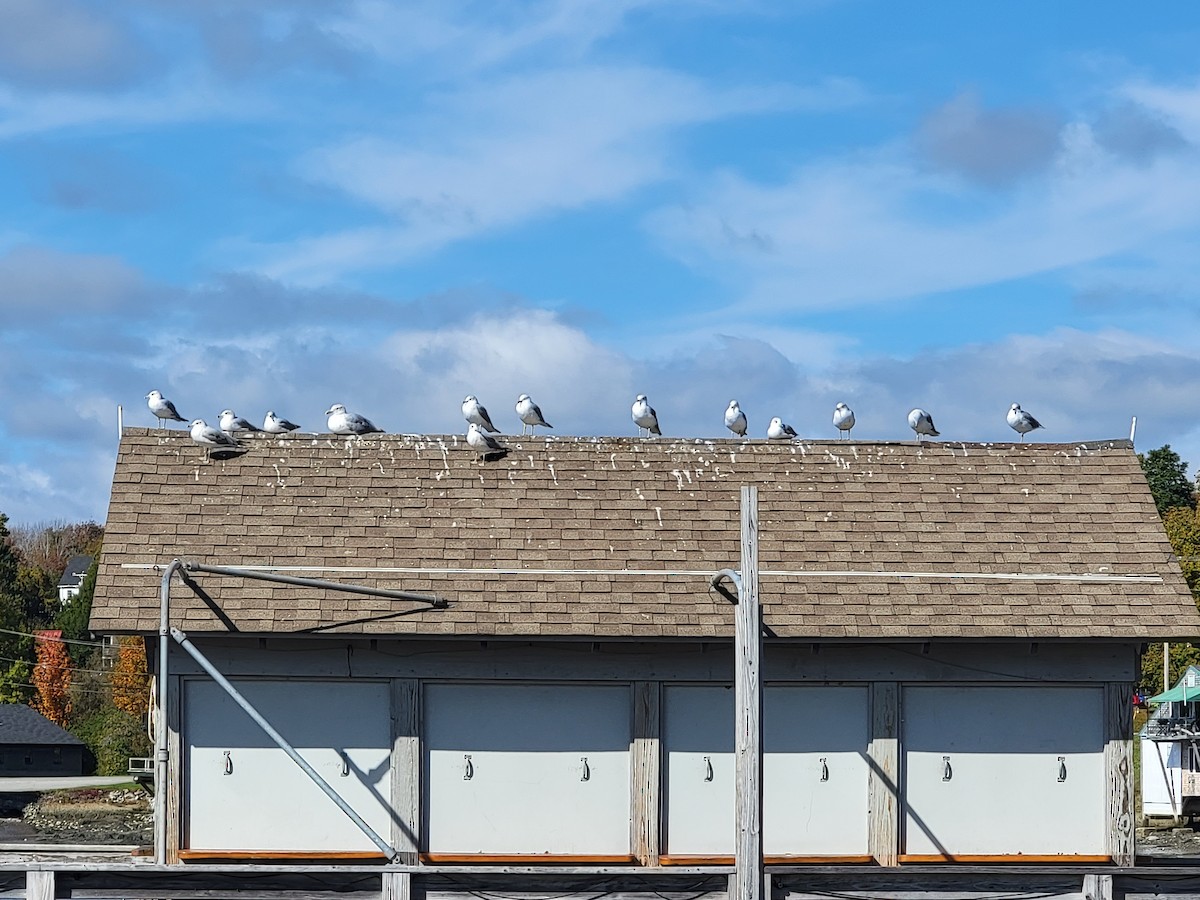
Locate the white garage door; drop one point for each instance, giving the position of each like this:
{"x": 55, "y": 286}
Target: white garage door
{"x": 527, "y": 768}
{"x": 815, "y": 772}
{"x": 244, "y": 793}
{"x": 1004, "y": 770}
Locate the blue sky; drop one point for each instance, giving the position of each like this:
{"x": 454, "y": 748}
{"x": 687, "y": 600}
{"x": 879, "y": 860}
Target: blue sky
{"x": 293, "y": 203}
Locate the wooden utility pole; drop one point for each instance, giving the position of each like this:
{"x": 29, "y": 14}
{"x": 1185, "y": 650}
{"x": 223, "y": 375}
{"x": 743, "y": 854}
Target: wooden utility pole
{"x": 748, "y": 859}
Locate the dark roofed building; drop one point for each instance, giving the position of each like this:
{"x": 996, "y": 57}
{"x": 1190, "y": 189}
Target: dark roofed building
{"x": 73, "y": 576}
{"x": 32, "y": 745}
{"x": 949, "y": 628}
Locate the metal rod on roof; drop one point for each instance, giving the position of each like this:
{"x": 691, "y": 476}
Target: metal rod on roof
{"x": 1132, "y": 429}
{"x": 120, "y": 422}
{"x": 160, "y": 721}
{"x": 184, "y": 642}
{"x": 436, "y": 602}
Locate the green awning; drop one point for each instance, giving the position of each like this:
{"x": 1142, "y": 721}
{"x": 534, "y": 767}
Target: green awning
{"x": 1181, "y": 693}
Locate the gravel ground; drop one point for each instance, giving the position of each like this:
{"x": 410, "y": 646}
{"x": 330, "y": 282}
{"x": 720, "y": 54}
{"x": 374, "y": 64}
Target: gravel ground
{"x": 90, "y": 816}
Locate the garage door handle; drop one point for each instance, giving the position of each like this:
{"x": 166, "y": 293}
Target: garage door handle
{"x": 468, "y": 769}
{"x": 708, "y": 772}
{"x": 947, "y": 772}
{"x": 587, "y": 773}
{"x": 228, "y": 763}
{"x": 824, "y": 770}
{"x": 345, "y": 765}
{"x": 1062, "y": 768}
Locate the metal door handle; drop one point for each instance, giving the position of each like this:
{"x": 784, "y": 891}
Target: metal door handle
{"x": 587, "y": 773}
{"x": 345, "y": 765}
{"x": 824, "y": 769}
{"x": 1062, "y": 768}
{"x": 468, "y": 768}
{"x": 708, "y": 772}
{"x": 947, "y": 772}
{"x": 228, "y": 763}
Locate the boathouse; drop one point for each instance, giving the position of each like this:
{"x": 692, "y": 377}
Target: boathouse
{"x": 523, "y": 661}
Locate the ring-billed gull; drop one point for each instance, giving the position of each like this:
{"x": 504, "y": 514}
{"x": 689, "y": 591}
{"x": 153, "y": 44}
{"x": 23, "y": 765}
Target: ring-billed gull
{"x": 163, "y": 408}
{"x": 213, "y": 438}
{"x": 922, "y": 423}
{"x": 529, "y": 414}
{"x": 234, "y": 425}
{"x": 843, "y": 418}
{"x": 779, "y": 430}
{"x": 475, "y": 414}
{"x": 644, "y": 416}
{"x": 735, "y": 419}
{"x": 342, "y": 422}
{"x": 484, "y": 443}
{"x": 1021, "y": 421}
{"x": 274, "y": 424}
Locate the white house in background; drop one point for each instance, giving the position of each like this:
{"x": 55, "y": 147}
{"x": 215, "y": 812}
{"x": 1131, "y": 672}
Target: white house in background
{"x": 1171, "y": 751}
{"x": 73, "y": 576}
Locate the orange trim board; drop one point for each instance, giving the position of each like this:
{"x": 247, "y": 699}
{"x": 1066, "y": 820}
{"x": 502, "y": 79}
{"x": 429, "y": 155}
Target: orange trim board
{"x": 1002, "y": 858}
{"x": 685, "y": 860}
{"x": 524, "y": 858}
{"x": 314, "y": 855}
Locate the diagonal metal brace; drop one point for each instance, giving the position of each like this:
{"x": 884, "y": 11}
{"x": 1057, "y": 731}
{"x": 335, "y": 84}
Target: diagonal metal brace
{"x": 733, "y": 577}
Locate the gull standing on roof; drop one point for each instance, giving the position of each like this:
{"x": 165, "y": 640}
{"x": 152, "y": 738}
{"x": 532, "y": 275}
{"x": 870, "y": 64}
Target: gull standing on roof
{"x": 234, "y": 425}
{"x": 843, "y": 419}
{"x": 163, "y": 408}
{"x": 213, "y": 438}
{"x": 274, "y": 424}
{"x": 529, "y": 414}
{"x": 779, "y": 430}
{"x": 342, "y": 422}
{"x": 735, "y": 419}
{"x": 644, "y": 416}
{"x": 482, "y": 442}
{"x": 922, "y": 423}
{"x": 1021, "y": 421}
{"x": 474, "y": 413}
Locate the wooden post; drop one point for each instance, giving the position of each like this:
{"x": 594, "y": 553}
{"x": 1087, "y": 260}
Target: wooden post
{"x": 748, "y": 859}
{"x": 406, "y": 770}
{"x": 396, "y": 886}
{"x": 39, "y": 884}
{"x": 1118, "y": 765}
{"x": 646, "y": 773}
{"x": 883, "y": 835}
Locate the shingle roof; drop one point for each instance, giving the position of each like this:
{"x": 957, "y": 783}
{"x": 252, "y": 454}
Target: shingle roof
{"x": 614, "y": 537}
{"x": 20, "y": 724}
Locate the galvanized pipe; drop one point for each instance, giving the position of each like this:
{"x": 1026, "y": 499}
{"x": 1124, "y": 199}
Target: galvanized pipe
{"x": 437, "y": 602}
{"x": 184, "y": 642}
{"x": 160, "y": 719}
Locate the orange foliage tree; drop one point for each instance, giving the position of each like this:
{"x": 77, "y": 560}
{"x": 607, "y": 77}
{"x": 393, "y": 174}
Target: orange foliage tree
{"x": 129, "y": 679}
{"x": 52, "y": 677}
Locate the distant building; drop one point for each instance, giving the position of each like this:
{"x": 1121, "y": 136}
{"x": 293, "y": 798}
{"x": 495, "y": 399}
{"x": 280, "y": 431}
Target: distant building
{"x": 30, "y": 744}
{"x": 73, "y": 576}
{"x": 1171, "y": 750}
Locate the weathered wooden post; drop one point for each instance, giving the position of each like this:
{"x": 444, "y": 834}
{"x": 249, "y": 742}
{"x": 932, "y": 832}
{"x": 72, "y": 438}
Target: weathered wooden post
{"x": 748, "y": 859}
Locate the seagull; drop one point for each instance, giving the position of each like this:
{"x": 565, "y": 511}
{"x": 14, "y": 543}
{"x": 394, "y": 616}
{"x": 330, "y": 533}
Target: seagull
{"x": 163, "y": 408}
{"x": 342, "y": 422}
{"x": 482, "y": 442}
{"x": 644, "y": 416}
{"x": 843, "y": 418}
{"x": 274, "y": 424}
{"x": 234, "y": 425}
{"x": 778, "y": 430}
{"x": 474, "y": 412}
{"x": 1021, "y": 421}
{"x": 213, "y": 438}
{"x": 735, "y": 419}
{"x": 529, "y": 413}
{"x": 922, "y": 423}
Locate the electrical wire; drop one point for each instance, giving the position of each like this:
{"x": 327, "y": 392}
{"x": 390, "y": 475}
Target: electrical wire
{"x": 58, "y": 640}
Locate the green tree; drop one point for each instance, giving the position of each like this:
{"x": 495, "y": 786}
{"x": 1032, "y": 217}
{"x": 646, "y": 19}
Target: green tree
{"x": 1167, "y": 476}
{"x": 75, "y": 614}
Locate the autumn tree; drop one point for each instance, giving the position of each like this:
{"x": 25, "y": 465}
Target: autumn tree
{"x": 52, "y": 678}
{"x": 130, "y": 681}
